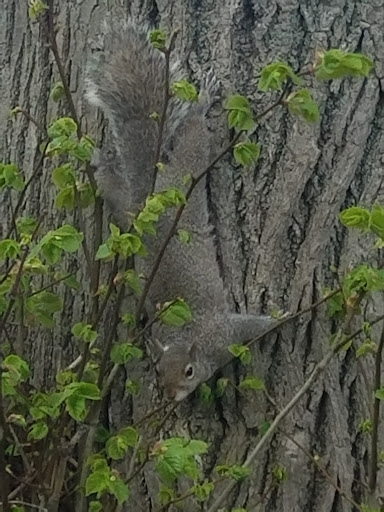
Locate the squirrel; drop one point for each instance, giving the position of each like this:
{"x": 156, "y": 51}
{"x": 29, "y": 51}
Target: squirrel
{"x": 126, "y": 80}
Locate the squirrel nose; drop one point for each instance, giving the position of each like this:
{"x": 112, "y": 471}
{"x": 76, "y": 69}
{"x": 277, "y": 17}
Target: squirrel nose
{"x": 171, "y": 393}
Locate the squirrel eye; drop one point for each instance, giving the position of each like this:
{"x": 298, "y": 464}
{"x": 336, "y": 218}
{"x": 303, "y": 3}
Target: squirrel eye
{"x": 189, "y": 371}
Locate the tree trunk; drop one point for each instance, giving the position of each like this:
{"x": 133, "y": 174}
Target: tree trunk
{"x": 277, "y": 228}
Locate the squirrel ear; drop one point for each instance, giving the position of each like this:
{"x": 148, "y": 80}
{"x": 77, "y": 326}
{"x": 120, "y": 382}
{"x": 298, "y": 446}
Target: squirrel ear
{"x": 157, "y": 347}
{"x": 192, "y": 351}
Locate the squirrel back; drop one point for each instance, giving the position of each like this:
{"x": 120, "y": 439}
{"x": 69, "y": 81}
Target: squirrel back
{"x": 128, "y": 84}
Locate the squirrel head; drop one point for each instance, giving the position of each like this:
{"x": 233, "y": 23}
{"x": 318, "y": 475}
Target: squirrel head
{"x": 180, "y": 372}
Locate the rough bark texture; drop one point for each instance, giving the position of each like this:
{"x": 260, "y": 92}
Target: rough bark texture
{"x": 277, "y": 225}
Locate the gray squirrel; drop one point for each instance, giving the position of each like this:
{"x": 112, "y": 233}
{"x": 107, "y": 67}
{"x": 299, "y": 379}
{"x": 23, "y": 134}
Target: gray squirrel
{"x": 126, "y": 80}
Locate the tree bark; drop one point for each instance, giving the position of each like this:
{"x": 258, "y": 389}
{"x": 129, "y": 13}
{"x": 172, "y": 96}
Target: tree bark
{"x": 277, "y": 226}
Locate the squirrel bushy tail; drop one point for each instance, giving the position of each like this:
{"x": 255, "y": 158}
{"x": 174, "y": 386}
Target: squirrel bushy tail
{"x": 126, "y": 80}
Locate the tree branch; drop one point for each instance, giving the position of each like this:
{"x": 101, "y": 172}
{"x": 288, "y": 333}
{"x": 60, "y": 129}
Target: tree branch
{"x": 322, "y": 470}
{"x": 373, "y": 462}
{"x": 339, "y": 344}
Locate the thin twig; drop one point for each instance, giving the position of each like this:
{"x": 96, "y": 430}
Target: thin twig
{"x": 167, "y": 97}
{"x": 31, "y": 119}
{"x": 149, "y": 415}
{"x": 82, "y": 359}
{"x": 340, "y": 342}
{"x": 186, "y": 495}
{"x": 22, "y": 194}
{"x": 373, "y": 463}
{"x": 19, "y": 446}
{"x": 15, "y": 287}
{"x": 53, "y": 283}
{"x": 322, "y": 470}
{"x": 25, "y": 504}
{"x": 310, "y": 308}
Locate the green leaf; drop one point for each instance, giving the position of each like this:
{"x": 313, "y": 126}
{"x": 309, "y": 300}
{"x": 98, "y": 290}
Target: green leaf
{"x": 368, "y": 347}
{"x": 118, "y": 488}
{"x": 158, "y": 38}
{"x": 65, "y": 126}
{"x": 242, "y": 352}
{"x": 64, "y": 176}
{"x": 264, "y": 427}
{"x": 184, "y": 236}
{"x": 362, "y": 279}
{"x": 176, "y": 456}
{"x": 302, "y": 104}
{"x": 205, "y": 394}
{"x": 10, "y": 177}
{"x": 368, "y": 508}
{"x": 234, "y": 471}
{"x": 124, "y": 244}
{"x": 121, "y": 353}
{"x": 95, "y": 506}
{"x": 246, "y": 153}
{"x": 156, "y": 205}
{"x": 238, "y": 102}
{"x": 366, "y": 426}
{"x": 274, "y": 75}
{"x": 104, "y": 252}
{"x": 197, "y": 447}
{"x": 85, "y": 195}
{"x": 132, "y": 386}
{"x": 66, "y": 238}
{"x": 17, "y": 508}
{"x": 84, "y": 332}
{"x": 65, "y": 199}
{"x": 185, "y": 91}
{"x": 240, "y": 113}
{"x": 36, "y": 8}
{"x": 252, "y": 383}
{"x": 76, "y": 407}
{"x": 14, "y": 362}
{"x": 221, "y": 386}
{"x": 279, "y": 473}
{"x": 376, "y": 221}
{"x": 379, "y": 394}
{"x": 117, "y": 446}
{"x": 203, "y": 491}
{"x": 338, "y": 64}
{"x": 83, "y": 150}
{"x": 176, "y": 313}
{"x": 9, "y": 249}
{"x": 57, "y": 92}
{"x": 335, "y": 305}
{"x": 133, "y": 281}
{"x": 38, "y": 430}
{"x": 97, "y": 482}
{"x": 43, "y": 306}
{"x": 165, "y": 495}
{"x": 26, "y": 225}
{"x": 356, "y": 217}
{"x": 129, "y": 319}
{"x": 17, "y": 419}
{"x": 86, "y": 390}
{"x": 97, "y": 462}
{"x": 169, "y": 470}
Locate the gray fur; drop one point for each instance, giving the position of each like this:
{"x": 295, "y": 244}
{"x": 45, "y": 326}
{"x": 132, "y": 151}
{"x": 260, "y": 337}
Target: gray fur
{"x": 128, "y": 85}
